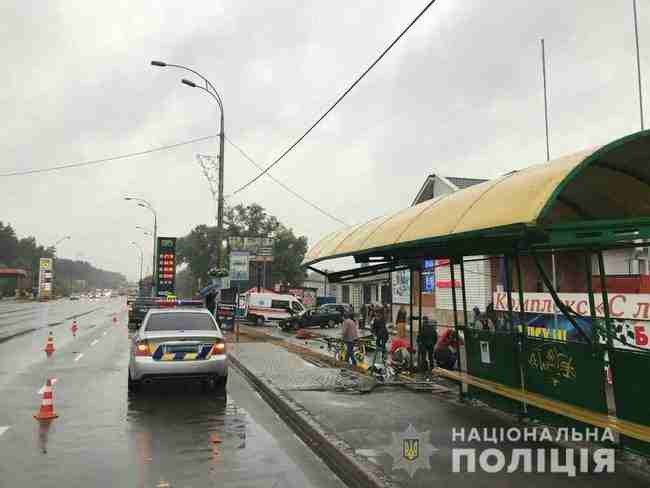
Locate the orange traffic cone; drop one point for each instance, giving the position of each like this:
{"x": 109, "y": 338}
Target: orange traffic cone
{"x": 74, "y": 328}
{"x": 46, "y": 412}
{"x": 49, "y": 346}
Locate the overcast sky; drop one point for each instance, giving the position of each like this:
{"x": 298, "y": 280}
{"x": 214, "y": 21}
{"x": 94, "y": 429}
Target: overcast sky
{"x": 460, "y": 95}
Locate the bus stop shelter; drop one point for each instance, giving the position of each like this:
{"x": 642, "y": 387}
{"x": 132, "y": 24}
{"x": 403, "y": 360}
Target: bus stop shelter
{"x": 582, "y": 203}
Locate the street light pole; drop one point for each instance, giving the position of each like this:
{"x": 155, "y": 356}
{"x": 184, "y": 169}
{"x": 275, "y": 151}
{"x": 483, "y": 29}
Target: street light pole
{"x": 145, "y": 204}
{"x": 141, "y": 260}
{"x": 212, "y": 91}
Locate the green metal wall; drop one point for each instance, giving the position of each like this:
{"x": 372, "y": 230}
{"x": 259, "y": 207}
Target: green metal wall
{"x": 631, "y": 375}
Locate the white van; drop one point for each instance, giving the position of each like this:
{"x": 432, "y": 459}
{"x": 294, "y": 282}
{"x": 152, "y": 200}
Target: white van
{"x": 262, "y": 308}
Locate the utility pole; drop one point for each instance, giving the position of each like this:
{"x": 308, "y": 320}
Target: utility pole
{"x": 548, "y": 158}
{"x": 638, "y": 62}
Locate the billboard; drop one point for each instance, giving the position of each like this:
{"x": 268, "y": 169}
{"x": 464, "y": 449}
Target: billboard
{"x": 401, "y": 286}
{"x": 253, "y": 245}
{"x": 239, "y": 265}
{"x": 629, "y": 312}
{"x": 166, "y": 275}
{"x": 45, "y": 278}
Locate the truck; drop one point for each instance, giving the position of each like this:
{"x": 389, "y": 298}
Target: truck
{"x": 267, "y": 308}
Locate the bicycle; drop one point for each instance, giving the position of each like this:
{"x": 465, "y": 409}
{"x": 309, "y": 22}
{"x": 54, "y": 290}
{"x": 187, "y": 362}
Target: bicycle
{"x": 340, "y": 349}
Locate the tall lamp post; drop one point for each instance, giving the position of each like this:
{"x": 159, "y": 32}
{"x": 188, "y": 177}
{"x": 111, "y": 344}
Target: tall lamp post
{"x": 141, "y": 260}
{"x": 212, "y": 91}
{"x": 145, "y": 204}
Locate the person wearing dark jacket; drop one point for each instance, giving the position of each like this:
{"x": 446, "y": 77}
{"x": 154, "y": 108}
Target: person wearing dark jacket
{"x": 380, "y": 331}
{"x": 427, "y": 339}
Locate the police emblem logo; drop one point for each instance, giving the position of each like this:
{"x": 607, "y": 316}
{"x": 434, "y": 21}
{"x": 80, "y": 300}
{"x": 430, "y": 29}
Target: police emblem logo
{"x": 410, "y": 449}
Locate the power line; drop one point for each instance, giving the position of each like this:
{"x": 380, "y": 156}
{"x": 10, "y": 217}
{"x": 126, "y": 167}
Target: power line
{"x": 106, "y": 160}
{"x": 339, "y": 99}
{"x": 294, "y": 193}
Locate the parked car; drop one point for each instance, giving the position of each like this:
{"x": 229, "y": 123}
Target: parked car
{"x": 343, "y": 308}
{"x": 178, "y": 344}
{"x": 324, "y": 316}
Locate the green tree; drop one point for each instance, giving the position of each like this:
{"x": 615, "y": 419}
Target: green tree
{"x": 198, "y": 248}
{"x": 198, "y": 251}
{"x": 288, "y": 253}
{"x": 251, "y": 220}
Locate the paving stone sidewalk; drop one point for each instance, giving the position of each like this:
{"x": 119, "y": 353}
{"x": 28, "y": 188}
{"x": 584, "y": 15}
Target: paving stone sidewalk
{"x": 374, "y": 424}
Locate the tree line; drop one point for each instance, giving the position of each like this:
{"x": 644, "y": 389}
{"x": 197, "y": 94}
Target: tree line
{"x": 69, "y": 275}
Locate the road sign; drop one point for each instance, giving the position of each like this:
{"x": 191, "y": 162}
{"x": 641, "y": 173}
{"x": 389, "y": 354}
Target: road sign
{"x": 45, "y": 277}
{"x": 166, "y": 276}
{"x": 239, "y": 265}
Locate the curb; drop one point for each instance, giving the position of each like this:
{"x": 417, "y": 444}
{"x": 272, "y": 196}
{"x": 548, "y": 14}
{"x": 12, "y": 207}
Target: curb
{"x": 334, "y": 452}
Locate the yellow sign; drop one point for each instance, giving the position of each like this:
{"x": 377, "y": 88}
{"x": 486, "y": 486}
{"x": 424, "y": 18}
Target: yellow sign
{"x": 45, "y": 263}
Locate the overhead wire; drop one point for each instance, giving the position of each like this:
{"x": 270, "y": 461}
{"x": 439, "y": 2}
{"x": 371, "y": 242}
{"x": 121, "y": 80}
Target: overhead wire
{"x": 338, "y": 100}
{"x": 287, "y": 188}
{"x": 92, "y": 162}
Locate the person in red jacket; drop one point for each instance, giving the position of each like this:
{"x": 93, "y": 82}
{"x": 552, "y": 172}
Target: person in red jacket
{"x": 446, "y": 350}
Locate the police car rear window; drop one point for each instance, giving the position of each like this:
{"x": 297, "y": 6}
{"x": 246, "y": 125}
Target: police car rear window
{"x": 180, "y": 321}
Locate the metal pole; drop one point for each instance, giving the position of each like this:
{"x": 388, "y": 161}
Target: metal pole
{"x": 523, "y": 346}
{"x": 548, "y": 158}
{"x": 548, "y": 150}
{"x": 608, "y": 322}
{"x": 638, "y": 62}
{"x": 462, "y": 281}
{"x": 506, "y": 263}
{"x": 411, "y": 314}
{"x": 154, "y": 270}
{"x": 455, "y": 307}
{"x": 220, "y": 200}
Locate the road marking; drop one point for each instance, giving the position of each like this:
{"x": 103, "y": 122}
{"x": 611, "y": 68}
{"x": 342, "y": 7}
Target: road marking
{"x": 94, "y": 342}
{"x": 79, "y": 356}
{"x": 3, "y": 429}
{"x": 105, "y": 332}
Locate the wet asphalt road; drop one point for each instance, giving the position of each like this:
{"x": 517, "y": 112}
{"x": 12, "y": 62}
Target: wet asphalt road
{"x": 171, "y": 435}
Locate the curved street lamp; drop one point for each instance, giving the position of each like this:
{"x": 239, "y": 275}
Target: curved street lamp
{"x": 141, "y": 259}
{"x": 212, "y": 91}
{"x": 145, "y": 204}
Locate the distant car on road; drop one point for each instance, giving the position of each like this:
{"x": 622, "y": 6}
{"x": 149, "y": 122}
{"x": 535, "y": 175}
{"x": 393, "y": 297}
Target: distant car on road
{"x": 74, "y": 297}
{"x": 178, "y": 344}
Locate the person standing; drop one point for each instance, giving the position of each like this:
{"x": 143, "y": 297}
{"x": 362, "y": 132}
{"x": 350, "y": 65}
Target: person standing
{"x": 401, "y": 321}
{"x": 349, "y": 334}
{"x": 380, "y": 331}
{"x": 427, "y": 339}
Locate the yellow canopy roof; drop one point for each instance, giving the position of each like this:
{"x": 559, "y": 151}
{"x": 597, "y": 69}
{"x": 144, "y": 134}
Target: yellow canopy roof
{"x": 607, "y": 183}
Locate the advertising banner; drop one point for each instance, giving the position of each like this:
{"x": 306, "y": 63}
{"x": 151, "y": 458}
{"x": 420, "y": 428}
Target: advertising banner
{"x": 401, "y": 286}
{"x": 166, "y": 275}
{"x": 45, "y": 278}
{"x": 630, "y": 314}
{"x": 239, "y": 265}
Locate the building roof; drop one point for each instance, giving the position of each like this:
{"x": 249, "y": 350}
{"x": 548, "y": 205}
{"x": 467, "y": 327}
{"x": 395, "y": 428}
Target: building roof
{"x": 426, "y": 190}
{"x": 587, "y": 198}
{"x": 462, "y": 183}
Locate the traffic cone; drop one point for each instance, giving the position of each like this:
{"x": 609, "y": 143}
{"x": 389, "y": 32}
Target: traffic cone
{"x": 74, "y": 328}
{"x": 46, "y": 412}
{"x": 49, "y": 346}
